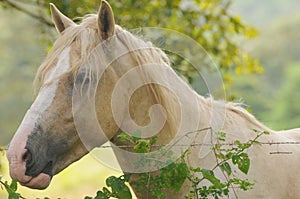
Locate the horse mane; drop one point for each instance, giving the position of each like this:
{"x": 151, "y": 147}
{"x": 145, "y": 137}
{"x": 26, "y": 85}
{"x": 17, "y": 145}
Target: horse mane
{"x": 86, "y": 35}
{"x": 77, "y": 34}
{"x": 242, "y": 112}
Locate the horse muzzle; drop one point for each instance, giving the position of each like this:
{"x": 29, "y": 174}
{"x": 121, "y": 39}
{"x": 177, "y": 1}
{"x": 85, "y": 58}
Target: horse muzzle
{"x": 18, "y": 171}
{"x": 24, "y": 166}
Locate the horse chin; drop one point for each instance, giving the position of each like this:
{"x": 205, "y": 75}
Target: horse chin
{"x": 40, "y": 181}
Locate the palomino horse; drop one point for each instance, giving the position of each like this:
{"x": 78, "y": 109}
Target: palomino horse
{"x": 82, "y": 82}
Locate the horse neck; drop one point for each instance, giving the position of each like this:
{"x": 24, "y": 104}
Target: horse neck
{"x": 169, "y": 111}
{"x": 205, "y": 112}
{"x": 178, "y": 110}
{"x": 216, "y": 115}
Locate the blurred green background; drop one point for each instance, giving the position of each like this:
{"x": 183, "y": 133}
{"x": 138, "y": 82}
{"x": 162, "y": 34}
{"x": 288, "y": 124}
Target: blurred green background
{"x": 272, "y": 96}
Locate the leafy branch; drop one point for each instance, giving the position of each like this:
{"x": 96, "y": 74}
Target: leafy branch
{"x": 225, "y": 157}
{"x": 11, "y": 189}
{"x": 118, "y": 188}
{"x": 175, "y": 174}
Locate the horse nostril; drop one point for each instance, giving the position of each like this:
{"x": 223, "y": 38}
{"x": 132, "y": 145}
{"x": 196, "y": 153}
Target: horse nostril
{"x": 26, "y": 156}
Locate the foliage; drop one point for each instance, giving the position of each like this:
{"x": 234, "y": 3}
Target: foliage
{"x": 11, "y": 189}
{"x": 225, "y": 157}
{"x": 170, "y": 177}
{"x": 208, "y": 22}
{"x": 176, "y": 173}
{"x": 118, "y": 188}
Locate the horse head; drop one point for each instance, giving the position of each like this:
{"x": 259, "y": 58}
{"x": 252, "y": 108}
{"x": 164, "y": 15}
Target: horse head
{"x": 46, "y": 142}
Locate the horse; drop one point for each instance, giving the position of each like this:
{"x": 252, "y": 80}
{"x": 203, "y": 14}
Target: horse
{"x": 99, "y": 80}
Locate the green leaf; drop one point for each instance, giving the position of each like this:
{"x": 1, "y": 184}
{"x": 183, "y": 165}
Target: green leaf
{"x": 102, "y": 195}
{"x": 198, "y": 169}
{"x": 242, "y": 184}
{"x": 235, "y": 159}
{"x": 111, "y": 180}
{"x": 124, "y": 137}
{"x": 7, "y": 188}
{"x": 209, "y": 175}
{"x": 14, "y": 185}
{"x": 13, "y": 196}
{"x": 221, "y": 136}
{"x": 105, "y": 191}
{"x": 255, "y": 142}
{"x": 153, "y": 140}
{"x": 243, "y": 162}
{"x": 226, "y": 167}
{"x": 126, "y": 177}
{"x": 237, "y": 142}
{"x": 142, "y": 146}
{"x": 119, "y": 188}
{"x": 178, "y": 175}
{"x": 226, "y": 192}
{"x": 255, "y": 130}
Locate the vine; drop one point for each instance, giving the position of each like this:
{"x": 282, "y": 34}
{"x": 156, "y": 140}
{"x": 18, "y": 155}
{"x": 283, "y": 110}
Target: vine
{"x": 176, "y": 173}
{"x": 205, "y": 183}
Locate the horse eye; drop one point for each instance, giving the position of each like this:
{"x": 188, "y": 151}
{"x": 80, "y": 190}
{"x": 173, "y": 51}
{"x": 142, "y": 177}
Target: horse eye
{"x": 82, "y": 78}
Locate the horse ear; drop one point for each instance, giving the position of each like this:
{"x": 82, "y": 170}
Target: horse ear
{"x": 106, "y": 21}
{"x": 61, "y": 22}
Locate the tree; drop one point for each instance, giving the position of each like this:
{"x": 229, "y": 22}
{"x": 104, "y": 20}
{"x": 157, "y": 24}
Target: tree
{"x": 209, "y": 22}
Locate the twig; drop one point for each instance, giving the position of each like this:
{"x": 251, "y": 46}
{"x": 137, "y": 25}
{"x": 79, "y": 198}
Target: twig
{"x": 225, "y": 176}
{"x": 31, "y": 14}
